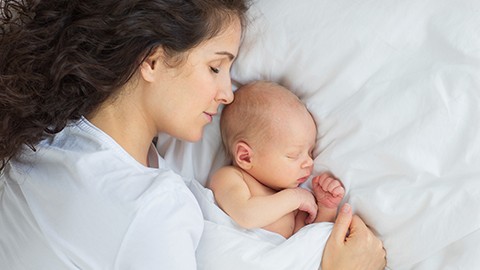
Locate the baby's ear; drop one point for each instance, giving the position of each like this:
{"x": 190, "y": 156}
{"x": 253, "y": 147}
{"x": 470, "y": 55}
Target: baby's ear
{"x": 243, "y": 155}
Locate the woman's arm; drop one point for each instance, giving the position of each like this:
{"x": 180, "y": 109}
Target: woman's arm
{"x": 360, "y": 249}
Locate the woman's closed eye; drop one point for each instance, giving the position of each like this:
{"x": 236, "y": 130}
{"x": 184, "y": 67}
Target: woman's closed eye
{"x": 215, "y": 70}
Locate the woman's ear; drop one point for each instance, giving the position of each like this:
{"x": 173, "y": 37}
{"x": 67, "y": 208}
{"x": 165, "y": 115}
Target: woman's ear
{"x": 243, "y": 155}
{"x": 151, "y": 64}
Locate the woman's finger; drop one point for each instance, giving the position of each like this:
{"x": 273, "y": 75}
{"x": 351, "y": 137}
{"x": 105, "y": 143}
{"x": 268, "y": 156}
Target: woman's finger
{"x": 342, "y": 224}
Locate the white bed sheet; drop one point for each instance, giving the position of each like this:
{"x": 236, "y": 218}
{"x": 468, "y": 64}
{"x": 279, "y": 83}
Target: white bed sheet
{"x": 395, "y": 89}
{"x": 225, "y": 245}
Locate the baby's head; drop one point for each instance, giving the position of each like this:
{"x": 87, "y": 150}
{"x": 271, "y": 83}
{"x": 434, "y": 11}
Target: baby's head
{"x": 265, "y": 124}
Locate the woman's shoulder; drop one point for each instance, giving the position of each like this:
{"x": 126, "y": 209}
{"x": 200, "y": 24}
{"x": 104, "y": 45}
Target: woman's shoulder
{"x": 83, "y": 158}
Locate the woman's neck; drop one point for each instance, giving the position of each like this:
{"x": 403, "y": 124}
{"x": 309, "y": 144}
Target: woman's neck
{"x": 127, "y": 125}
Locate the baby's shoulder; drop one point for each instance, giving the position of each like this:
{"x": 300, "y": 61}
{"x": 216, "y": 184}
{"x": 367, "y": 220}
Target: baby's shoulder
{"x": 230, "y": 169}
{"x": 226, "y": 174}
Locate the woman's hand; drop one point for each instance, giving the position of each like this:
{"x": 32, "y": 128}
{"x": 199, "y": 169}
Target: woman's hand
{"x": 359, "y": 250}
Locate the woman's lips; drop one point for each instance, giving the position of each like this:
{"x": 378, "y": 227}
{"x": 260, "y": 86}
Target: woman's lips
{"x": 209, "y": 116}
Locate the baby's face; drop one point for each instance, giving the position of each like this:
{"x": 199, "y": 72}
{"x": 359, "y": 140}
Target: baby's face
{"x": 285, "y": 160}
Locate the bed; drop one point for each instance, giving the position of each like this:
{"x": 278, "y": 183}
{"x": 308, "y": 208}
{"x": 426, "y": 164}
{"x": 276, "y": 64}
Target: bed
{"x": 394, "y": 87}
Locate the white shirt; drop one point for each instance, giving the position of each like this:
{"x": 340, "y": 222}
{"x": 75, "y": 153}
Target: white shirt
{"x": 82, "y": 202}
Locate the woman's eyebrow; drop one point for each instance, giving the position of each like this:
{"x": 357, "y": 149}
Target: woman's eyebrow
{"x": 230, "y": 55}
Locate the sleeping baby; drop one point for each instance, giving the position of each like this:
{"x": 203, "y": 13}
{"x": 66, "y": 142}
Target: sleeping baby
{"x": 270, "y": 136}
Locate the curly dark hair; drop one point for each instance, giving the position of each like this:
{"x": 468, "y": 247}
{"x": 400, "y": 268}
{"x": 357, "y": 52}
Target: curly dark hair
{"x": 61, "y": 59}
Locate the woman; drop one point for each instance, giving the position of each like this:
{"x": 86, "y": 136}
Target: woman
{"x": 85, "y": 87}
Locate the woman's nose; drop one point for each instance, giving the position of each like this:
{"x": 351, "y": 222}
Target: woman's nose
{"x": 225, "y": 93}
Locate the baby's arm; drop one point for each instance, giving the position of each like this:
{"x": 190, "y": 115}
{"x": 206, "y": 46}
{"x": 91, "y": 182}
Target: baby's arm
{"x": 329, "y": 193}
{"x": 233, "y": 196}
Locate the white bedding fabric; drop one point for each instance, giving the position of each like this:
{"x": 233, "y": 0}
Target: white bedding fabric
{"x": 224, "y": 245}
{"x": 395, "y": 89}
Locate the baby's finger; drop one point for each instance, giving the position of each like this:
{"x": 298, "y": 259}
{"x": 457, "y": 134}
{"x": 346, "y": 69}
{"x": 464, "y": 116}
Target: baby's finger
{"x": 321, "y": 178}
{"x": 338, "y": 191}
{"x": 316, "y": 181}
{"x": 312, "y": 214}
{"x": 309, "y": 219}
{"x": 333, "y": 185}
{"x": 324, "y": 182}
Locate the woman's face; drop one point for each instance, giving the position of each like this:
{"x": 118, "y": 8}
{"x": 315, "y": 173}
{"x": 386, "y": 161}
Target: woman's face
{"x": 185, "y": 98}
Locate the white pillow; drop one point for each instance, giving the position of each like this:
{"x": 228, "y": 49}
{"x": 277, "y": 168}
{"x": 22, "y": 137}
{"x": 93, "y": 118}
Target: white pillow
{"x": 395, "y": 89}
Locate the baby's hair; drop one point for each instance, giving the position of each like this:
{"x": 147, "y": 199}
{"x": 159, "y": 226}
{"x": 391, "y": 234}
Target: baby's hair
{"x": 252, "y": 115}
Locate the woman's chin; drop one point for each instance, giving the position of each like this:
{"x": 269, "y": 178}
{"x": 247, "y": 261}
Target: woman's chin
{"x": 192, "y": 136}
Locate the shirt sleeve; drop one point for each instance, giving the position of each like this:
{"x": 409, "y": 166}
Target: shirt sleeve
{"x": 164, "y": 234}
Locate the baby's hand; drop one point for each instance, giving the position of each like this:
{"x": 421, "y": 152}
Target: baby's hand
{"x": 307, "y": 204}
{"x": 328, "y": 191}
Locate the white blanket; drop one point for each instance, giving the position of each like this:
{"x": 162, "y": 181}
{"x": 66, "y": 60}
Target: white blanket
{"x": 395, "y": 89}
{"x": 224, "y": 245}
